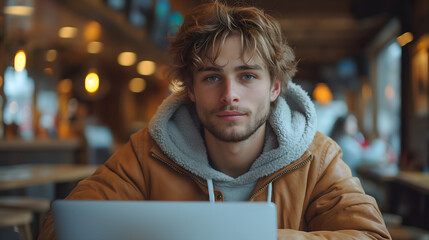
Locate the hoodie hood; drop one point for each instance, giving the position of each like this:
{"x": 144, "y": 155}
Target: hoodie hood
{"x": 176, "y": 130}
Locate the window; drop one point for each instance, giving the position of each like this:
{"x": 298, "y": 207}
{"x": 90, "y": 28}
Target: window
{"x": 388, "y": 81}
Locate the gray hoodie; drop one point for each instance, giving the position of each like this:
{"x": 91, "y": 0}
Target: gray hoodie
{"x": 292, "y": 126}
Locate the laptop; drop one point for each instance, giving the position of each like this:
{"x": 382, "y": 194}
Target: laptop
{"x": 163, "y": 220}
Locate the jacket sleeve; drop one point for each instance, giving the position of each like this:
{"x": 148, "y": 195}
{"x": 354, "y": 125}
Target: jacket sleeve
{"x": 338, "y": 206}
{"x": 120, "y": 178}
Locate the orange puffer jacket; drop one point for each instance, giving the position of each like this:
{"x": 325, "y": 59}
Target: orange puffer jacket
{"x": 316, "y": 196}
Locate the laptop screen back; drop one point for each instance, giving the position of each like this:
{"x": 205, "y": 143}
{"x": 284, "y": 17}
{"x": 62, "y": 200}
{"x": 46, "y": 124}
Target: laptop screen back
{"x": 155, "y": 220}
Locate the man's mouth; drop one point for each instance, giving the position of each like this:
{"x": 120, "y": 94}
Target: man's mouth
{"x": 230, "y": 115}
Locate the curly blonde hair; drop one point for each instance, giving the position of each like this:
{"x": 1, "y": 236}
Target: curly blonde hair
{"x": 210, "y": 24}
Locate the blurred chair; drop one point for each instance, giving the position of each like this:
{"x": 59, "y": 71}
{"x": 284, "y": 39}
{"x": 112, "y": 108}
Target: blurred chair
{"x": 18, "y": 219}
{"x": 39, "y": 207}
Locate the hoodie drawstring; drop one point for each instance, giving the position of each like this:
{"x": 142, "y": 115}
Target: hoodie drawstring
{"x": 211, "y": 190}
{"x": 270, "y": 191}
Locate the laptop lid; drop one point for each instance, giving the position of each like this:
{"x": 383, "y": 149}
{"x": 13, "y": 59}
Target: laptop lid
{"x": 159, "y": 220}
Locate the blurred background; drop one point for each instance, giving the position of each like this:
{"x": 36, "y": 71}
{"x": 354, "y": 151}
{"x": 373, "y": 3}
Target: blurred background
{"x": 77, "y": 77}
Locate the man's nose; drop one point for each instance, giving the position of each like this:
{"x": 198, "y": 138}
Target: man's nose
{"x": 230, "y": 92}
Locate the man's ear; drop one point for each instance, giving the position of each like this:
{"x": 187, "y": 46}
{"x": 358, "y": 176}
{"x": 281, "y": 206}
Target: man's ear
{"x": 191, "y": 94}
{"x": 275, "y": 90}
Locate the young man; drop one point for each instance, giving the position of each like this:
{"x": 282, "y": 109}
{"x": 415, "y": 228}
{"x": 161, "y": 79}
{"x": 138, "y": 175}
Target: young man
{"x": 238, "y": 132}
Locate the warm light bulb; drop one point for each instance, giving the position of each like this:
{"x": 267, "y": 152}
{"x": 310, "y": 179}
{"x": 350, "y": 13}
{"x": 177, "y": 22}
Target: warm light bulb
{"x": 322, "y": 94}
{"x": 94, "y": 47}
{"x": 137, "y": 85}
{"x": 18, "y": 10}
{"x": 51, "y": 55}
{"x": 146, "y": 67}
{"x": 127, "y": 58}
{"x": 92, "y": 82}
{"x": 67, "y": 32}
{"x": 92, "y": 31}
{"x": 20, "y": 61}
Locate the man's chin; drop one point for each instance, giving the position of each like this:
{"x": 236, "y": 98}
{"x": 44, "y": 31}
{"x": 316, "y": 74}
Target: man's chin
{"x": 229, "y": 135}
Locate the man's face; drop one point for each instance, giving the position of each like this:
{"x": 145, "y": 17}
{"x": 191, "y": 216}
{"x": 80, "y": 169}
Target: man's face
{"x": 232, "y": 97}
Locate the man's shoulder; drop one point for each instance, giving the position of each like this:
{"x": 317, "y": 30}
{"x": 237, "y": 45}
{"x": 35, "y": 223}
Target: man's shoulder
{"x": 323, "y": 144}
{"x": 326, "y": 154}
{"x": 142, "y": 139}
{"x": 320, "y": 137}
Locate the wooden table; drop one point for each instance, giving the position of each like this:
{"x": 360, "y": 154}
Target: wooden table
{"x": 407, "y": 193}
{"x": 40, "y": 151}
{"x": 419, "y": 181}
{"x": 22, "y": 176}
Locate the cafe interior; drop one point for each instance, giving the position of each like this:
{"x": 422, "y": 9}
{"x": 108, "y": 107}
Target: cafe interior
{"x": 78, "y": 77}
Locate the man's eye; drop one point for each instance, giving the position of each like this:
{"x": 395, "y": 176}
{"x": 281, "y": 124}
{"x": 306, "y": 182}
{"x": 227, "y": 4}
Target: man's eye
{"x": 211, "y": 79}
{"x": 248, "y": 77}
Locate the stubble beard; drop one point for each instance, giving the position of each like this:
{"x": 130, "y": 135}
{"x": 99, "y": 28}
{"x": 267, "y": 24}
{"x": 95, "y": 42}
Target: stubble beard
{"x": 237, "y": 135}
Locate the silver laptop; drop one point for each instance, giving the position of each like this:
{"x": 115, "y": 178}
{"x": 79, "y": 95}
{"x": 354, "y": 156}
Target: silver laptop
{"x": 157, "y": 220}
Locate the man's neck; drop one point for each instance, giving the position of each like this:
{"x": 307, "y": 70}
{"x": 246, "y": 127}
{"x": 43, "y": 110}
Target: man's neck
{"x": 235, "y": 158}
